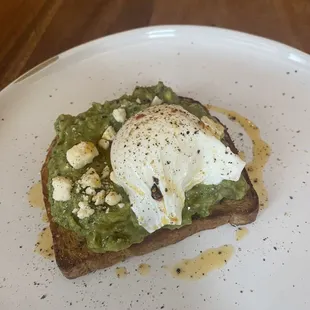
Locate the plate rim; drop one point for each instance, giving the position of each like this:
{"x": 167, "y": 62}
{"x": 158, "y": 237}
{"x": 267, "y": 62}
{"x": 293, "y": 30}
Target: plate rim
{"x": 144, "y": 32}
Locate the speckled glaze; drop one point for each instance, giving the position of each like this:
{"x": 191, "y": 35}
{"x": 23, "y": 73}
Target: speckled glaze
{"x": 265, "y": 81}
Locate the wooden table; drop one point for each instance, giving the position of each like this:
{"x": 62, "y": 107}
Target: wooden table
{"x": 34, "y": 30}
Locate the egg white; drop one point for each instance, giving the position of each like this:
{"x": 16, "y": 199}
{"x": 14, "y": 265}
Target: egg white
{"x": 167, "y": 147}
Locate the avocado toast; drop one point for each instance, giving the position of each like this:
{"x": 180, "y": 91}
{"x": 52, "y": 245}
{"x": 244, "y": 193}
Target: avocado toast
{"x": 112, "y": 232}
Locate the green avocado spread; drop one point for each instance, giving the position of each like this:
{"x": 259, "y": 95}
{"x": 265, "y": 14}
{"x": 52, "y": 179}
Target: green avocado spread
{"x": 113, "y": 228}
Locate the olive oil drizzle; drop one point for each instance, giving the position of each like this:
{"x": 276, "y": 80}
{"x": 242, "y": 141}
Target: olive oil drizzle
{"x": 261, "y": 152}
{"x": 241, "y": 232}
{"x": 144, "y": 269}
{"x": 44, "y": 245}
{"x": 121, "y": 272}
{"x": 35, "y": 196}
{"x": 201, "y": 265}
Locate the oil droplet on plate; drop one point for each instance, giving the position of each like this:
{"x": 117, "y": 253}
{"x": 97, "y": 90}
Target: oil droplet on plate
{"x": 241, "y": 232}
{"x": 121, "y": 272}
{"x": 144, "y": 269}
{"x": 261, "y": 152}
{"x": 242, "y": 155}
{"x": 44, "y": 217}
{"x": 35, "y": 196}
{"x": 200, "y": 266}
{"x": 44, "y": 245}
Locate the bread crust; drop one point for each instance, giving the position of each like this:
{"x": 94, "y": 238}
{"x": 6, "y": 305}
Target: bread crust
{"x": 74, "y": 259}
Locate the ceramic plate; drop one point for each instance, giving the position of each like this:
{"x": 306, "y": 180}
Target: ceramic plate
{"x": 265, "y": 81}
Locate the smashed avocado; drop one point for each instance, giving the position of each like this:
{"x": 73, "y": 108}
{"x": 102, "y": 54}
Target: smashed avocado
{"x": 116, "y": 228}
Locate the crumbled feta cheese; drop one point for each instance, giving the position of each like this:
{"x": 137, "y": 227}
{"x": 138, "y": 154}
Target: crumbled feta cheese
{"x": 62, "y": 188}
{"x": 75, "y": 210}
{"x": 156, "y": 101}
{"x": 112, "y": 177}
{"x": 121, "y": 205}
{"x": 90, "y": 191}
{"x": 107, "y": 210}
{"x": 90, "y": 179}
{"x": 138, "y": 100}
{"x": 78, "y": 189}
{"x": 81, "y": 154}
{"x": 85, "y": 197}
{"x": 109, "y": 133}
{"x": 103, "y": 143}
{"x": 105, "y": 172}
{"x": 85, "y": 210}
{"x": 98, "y": 199}
{"x": 113, "y": 198}
{"x": 119, "y": 115}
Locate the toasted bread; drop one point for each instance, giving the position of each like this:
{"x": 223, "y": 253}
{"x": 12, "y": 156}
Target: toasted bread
{"x": 74, "y": 258}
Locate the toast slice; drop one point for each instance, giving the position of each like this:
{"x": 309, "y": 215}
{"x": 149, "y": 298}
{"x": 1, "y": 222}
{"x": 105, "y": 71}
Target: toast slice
{"x": 74, "y": 258}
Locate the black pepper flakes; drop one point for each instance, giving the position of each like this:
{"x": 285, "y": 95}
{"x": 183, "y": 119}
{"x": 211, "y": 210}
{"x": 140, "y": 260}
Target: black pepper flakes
{"x": 156, "y": 180}
{"x": 156, "y": 193}
{"x": 178, "y": 270}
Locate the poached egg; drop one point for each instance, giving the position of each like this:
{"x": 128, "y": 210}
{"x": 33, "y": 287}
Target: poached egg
{"x": 162, "y": 152}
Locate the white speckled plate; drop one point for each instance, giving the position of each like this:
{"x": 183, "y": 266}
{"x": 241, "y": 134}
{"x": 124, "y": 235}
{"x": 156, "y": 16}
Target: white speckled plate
{"x": 265, "y": 81}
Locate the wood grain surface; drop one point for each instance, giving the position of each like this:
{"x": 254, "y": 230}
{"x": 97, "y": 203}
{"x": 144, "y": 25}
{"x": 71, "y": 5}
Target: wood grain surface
{"x": 33, "y": 30}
